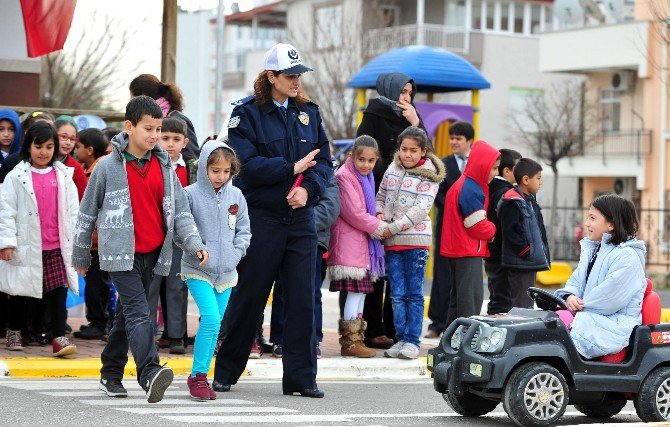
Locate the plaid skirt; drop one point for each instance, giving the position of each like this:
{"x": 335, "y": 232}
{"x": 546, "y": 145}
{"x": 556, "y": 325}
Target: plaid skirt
{"x": 363, "y": 286}
{"x": 53, "y": 268}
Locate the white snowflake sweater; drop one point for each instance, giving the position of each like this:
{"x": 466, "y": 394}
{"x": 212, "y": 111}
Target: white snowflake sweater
{"x": 405, "y": 197}
{"x": 107, "y": 197}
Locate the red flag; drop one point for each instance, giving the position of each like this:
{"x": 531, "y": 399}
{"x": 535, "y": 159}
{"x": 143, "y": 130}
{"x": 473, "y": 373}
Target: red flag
{"x": 47, "y": 23}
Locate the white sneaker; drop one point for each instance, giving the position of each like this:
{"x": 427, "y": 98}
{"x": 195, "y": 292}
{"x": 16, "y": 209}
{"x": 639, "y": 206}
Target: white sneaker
{"x": 394, "y": 350}
{"x": 408, "y": 351}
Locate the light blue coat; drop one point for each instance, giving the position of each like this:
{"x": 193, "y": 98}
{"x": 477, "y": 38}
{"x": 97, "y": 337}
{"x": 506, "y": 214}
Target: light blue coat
{"x": 612, "y": 296}
{"x": 222, "y": 219}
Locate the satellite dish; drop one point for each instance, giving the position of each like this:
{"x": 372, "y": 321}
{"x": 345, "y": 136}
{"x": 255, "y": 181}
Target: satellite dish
{"x": 614, "y": 8}
{"x": 568, "y": 11}
{"x": 592, "y": 10}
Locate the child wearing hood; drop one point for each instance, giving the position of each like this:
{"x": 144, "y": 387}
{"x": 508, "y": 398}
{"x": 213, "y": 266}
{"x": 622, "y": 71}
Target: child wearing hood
{"x": 10, "y": 134}
{"x": 604, "y": 294}
{"x": 220, "y": 213}
{"x": 466, "y": 231}
{"x": 406, "y": 195}
{"x": 384, "y": 119}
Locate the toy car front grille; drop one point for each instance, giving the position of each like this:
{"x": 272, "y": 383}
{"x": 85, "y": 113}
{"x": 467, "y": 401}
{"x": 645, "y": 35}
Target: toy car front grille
{"x": 473, "y": 343}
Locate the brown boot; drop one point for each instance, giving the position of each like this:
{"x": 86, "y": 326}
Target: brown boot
{"x": 351, "y": 339}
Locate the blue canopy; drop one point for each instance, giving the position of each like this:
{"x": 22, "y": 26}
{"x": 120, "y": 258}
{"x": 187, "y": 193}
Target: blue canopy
{"x": 434, "y": 70}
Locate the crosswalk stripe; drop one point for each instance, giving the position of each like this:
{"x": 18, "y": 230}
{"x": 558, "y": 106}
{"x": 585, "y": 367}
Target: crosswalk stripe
{"x": 206, "y": 408}
{"x": 184, "y": 401}
{"x": 99, "y": 393}
{"x": 63, "y": 386}
{"x": 306, "y": 418}
{"x": 236, "y": 419}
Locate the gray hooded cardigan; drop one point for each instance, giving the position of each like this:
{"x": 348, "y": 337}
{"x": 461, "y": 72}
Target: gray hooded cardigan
{"x": 223, "y": 222}
{"x": 107, "y": 198}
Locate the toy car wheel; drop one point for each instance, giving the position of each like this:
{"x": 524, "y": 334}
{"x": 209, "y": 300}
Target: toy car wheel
{"x": 470, "y": 405}
{"x": 536, "y": 394}
{"x": 602, "y": 410}
{"x": 652, "y": 403}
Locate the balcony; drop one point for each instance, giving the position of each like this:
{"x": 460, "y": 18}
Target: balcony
{"x": 633, "y": 143}
{"x": 379, "y": 40}
{"x": 616, "y": 46}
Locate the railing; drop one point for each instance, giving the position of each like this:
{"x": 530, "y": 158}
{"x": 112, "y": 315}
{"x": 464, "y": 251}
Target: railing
{"x": 568, "y": 230}
{"x": 378, "y": 41}
{"x": 625, "y": 143}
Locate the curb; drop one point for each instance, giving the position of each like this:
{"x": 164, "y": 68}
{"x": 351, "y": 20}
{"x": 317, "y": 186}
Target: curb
{"x": 331, "y": 368}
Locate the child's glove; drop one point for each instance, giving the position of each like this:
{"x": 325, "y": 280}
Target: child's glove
{"x": 382, "y": 228}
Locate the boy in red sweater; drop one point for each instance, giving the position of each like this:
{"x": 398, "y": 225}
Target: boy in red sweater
{"x": 466, "y": 231}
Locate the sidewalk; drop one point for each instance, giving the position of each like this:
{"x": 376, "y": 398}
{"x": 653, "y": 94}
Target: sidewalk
{"x": 37, "y": 361}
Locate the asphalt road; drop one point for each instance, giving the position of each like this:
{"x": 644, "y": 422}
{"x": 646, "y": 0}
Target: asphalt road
{"x": 71, "y": 402}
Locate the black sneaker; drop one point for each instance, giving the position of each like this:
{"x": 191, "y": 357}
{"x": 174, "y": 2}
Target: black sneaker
{"x": 177, "y": 346}
{"x": 158, "y": 384}
{"x": 89, "y": 333}
{"x": 276, "y": 350}
{"x": 113, "y": 388}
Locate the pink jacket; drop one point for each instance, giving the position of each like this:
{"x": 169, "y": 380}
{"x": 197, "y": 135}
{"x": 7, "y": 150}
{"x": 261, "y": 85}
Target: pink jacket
{"x": 349, "y": 256}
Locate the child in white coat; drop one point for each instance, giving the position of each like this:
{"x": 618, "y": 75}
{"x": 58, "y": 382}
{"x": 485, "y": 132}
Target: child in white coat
{"x": 39, "y": 206}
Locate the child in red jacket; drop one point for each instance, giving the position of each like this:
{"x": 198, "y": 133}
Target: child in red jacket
{"x": 466, "y": 231}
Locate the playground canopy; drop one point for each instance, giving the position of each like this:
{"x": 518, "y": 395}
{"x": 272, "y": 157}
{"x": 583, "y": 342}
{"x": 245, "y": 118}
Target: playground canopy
{"x": 434, "y": 70}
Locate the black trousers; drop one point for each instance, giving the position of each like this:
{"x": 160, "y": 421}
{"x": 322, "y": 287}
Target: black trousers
{"x": 508, "y": 288}
{"x": 97, "y": 293}
{"x": 287, "y": 251}
{"x": 133, "y": 328}
{"x": 467, "y": 287}
{"x": 377, "y": 310}
{"x": 438, "y": 309}
{"x": 21, "y": 309}
{"x": 174, "y": 299}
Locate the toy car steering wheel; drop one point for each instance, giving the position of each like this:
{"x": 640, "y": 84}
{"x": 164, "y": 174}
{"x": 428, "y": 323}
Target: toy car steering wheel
{"x": 546, "y": 300}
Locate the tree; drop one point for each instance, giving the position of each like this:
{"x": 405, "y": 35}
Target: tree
{"x": 336, "y": 55}
{"x": 552, "y": 123}
{"x": 84, "y": 75}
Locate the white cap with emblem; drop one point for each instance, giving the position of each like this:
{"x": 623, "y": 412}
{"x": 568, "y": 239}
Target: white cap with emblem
{"x": 285, "y": 58}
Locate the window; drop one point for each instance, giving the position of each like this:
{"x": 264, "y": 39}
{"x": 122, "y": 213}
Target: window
{"x": 535, "y": 18}
{"x": 455, "y": 13}
{"x": 476, "y": 15}
{"x": 390, "y": 15}
{"x": 519, "y": 99}
{"x": 518, "y": 18}
{"x": 610, "y": 111}
{"x": 328, "y": 26}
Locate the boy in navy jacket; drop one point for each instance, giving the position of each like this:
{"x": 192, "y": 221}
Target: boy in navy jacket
{"x": 524, "y": 242}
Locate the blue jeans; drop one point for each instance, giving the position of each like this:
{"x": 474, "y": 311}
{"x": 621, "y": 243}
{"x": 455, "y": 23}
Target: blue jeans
{"x": 406, "y": 270}
{"x": 212, "y": 305}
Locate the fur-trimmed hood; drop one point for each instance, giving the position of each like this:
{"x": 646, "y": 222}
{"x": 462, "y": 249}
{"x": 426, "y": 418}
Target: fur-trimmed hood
{"x": 433, "y": 169}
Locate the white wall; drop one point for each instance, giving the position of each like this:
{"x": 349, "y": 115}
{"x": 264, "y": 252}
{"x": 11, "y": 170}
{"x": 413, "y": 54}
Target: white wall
{"x": 195, "y": 75}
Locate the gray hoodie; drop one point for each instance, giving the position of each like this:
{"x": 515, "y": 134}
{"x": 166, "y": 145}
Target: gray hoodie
{"x": 223, "y": 222}
{"x": 107, "y": 198}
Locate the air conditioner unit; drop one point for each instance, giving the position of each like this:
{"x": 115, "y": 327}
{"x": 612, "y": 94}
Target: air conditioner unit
{"x": 622, "y": 81}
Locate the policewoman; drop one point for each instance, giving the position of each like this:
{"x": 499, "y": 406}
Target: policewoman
{"x": 278, "y": 136}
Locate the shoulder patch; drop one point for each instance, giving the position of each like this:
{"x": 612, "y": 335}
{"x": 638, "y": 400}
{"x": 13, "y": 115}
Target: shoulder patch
{"x": 233, "y": 122}
{"x": 243, "y": 101}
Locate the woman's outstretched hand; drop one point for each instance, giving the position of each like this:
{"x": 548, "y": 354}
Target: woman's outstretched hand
{"x": 305, "y": 163}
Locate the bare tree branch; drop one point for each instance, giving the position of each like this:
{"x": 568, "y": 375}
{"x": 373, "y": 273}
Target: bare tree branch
{"x": 84, "y": 74}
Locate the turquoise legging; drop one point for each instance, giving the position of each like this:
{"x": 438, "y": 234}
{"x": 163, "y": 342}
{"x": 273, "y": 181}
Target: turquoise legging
{"x": 212, "y": 305}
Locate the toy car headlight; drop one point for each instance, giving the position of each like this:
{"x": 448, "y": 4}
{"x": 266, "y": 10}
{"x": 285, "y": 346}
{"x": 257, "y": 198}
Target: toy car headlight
{"x": 456, "y": 338}
{"x": 492, "y": 340}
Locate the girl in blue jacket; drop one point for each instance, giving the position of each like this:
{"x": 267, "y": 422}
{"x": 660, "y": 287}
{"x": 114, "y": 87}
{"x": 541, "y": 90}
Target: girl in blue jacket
{"x": 604, "y": 294}
{"x": 220, "y": 213}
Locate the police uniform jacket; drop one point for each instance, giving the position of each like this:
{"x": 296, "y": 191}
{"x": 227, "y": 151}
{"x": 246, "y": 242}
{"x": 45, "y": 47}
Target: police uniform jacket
{"x": 268, "y": 143}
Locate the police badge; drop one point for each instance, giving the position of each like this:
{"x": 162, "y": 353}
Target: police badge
{"x": 304, "y": 118}
{"x": 233, "y": 122}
